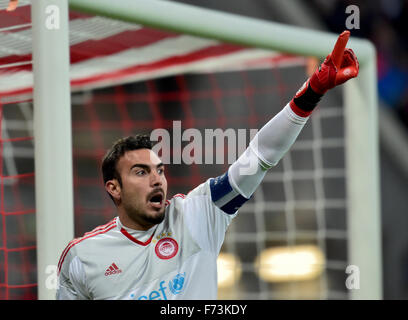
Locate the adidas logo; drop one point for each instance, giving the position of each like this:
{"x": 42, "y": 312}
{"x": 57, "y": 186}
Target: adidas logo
{"x": 113, "y": 269}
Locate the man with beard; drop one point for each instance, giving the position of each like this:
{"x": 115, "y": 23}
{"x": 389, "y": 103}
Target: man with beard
{"x": 167, "y": 249}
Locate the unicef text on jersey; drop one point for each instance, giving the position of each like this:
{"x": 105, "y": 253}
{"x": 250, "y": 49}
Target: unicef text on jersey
{"x": 174, "y": 287}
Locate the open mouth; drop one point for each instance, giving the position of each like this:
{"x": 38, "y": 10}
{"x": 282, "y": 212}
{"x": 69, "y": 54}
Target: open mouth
{"x": 156, "y": 199}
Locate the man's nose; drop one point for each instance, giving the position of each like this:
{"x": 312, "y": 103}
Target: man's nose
{"x": 155, "y": 179}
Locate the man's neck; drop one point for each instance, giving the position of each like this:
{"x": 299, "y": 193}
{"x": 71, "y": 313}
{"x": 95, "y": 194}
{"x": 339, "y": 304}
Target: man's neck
{"x": 130, "y": 223}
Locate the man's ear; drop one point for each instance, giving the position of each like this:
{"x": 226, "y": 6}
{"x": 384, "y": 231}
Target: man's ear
{"x": 113, "y": 188}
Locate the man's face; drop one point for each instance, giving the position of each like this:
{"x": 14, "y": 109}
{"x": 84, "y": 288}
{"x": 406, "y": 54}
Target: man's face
{"x": 144, "y": 187}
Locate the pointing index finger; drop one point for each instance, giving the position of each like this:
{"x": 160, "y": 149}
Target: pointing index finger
{"x": 337, "y": 53}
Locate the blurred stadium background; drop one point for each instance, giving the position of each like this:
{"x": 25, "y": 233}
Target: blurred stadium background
{"x": 301, "y": 202}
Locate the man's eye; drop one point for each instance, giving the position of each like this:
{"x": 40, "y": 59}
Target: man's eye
{"x": 140, "y": 172}
{"x": 160, "y": 171}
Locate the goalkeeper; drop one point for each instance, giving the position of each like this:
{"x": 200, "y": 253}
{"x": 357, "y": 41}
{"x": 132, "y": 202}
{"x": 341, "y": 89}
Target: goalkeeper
{"x": 167, "y": 249}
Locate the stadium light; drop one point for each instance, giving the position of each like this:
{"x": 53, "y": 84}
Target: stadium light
{"x": 295, "y": 263}
{"x": 229, "y": 270}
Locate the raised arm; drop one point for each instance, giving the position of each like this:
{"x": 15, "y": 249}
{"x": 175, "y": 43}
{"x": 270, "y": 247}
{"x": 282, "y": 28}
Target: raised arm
{"x": 275, "y": 138}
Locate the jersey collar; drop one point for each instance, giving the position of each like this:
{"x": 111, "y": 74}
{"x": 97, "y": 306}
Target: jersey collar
{"x": 139, "y": 237}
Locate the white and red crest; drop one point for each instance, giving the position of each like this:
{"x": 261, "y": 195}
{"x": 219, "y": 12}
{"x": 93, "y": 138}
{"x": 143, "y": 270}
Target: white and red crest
{"x": 166, "y": 248}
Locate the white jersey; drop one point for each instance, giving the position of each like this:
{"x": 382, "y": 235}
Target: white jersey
{"x": 176, "y": 259}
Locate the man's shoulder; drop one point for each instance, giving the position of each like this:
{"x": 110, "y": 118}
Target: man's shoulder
{"x": 199, "y": 191}
{"x": 179, "y": 201}
{"x": 198, "y": 199}
{"x": 89, "y": 240}
{"x": 99, "y": 230}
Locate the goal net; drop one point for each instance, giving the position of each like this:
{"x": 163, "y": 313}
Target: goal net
{"x": 293, "y": 240}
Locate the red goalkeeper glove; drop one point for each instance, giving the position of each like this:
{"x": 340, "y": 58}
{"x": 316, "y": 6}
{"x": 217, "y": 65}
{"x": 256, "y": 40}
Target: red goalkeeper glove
{"x": 338, "y": 67}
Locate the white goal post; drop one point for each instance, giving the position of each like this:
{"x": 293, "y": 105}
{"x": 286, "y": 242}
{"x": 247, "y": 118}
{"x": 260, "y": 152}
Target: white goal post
{"x": 360, "y": 99}
{"x": 52, "y": 141}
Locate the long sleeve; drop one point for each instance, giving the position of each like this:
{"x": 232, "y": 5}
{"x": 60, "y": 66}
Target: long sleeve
{"x": 265, "y": 150}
